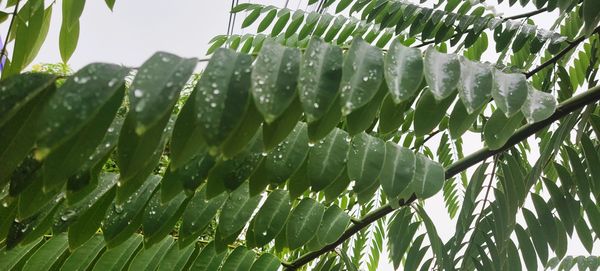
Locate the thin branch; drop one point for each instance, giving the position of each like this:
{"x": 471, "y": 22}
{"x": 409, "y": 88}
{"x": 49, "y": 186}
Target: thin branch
{"x": 429, "y": 136}
{"x": 526, "y": 15}
{"x": 565, "y": 108}
{"x": 560, "y": 55}
{"x": 10, "y": 26}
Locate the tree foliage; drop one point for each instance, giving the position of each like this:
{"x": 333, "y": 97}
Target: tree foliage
{"x": 290, "y": 149}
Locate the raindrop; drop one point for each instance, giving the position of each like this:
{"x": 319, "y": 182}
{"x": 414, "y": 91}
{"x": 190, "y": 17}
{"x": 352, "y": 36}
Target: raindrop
{"x": 138, "y": 93}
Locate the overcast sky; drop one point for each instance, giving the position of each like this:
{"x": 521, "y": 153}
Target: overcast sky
{"x": 138, "y": 28}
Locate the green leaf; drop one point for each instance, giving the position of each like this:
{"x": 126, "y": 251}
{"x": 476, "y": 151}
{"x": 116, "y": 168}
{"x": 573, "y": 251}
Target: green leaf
{"x": 365, "y": 160}
{"x": 475, "y": 87}
{"x": 33, "y": 199}
{"x": 320, "y": 75}
{"x": 499, "y": 129}
{"x": 76, "y": 103}
{"x": 334, "y": 190}
{"x": 68, "y": 38}
{"x": 68, "y": 158}
{"x": 327, "y": 158}
{"x": 442, "y": 73}
{"x": 159, "y": 219}
{"x": 276, "y": 131}
{"x": 362, "y": 75}
{"x": 11, "y": 258}
{"x": 187, "y": 140}
{"x": 88, "y": 212}
{"x": 400, "y": 233}
{"x": 413, "y": 257}
{"x": 561, "y": 239}
{"x": 347, "y": 262}
{"x": 244, "y": 133}
{"x": 284, "y": 15}
{"x": 251, "y": 17}
{"x": 30, "y": 229}
{"x": 222, "y": 95}
{"x": 266, "y": 262}
{"x": 17, "y": 92}
{"x": 303, "y": 221}
{"x": 298, "y": 183}
{"x": 398, "y": 171}
{"x": 297, "y": 19}
{"x": 538, "y": 105}
{"x": 509, "y": 92}
{"x": 176, "y": 258}
{"x": 270, "y": 218}
{"x": 123, "y": 220}
{"x": 110, "y": 4}
{"x": 188, "y": 177}
{"x": 429, "y": 112}
{"x": 334, "y": 223}
{"x": 392, "y": 115}
{"x": 460, "y": 120}
{"x": 537, "y": 235}
{"x": 83, "y": 257}
{"x": 403, "y": 71}
{"x": 591, "y": 16}
{"x": 428, "y": 177}
{"x": 156, "y": 88}
{"x": 287, "y": 156}
{"x": 116, "y": 258}
{"x": 29, "y": 32}
{"x": 240, "y": 259}
{"x": 267, "y": 20}
{"x": 72, "y": 10}
{"x": 321, "y": 128}
{"x": 546, "y": 219}
{"x": 208, "y": 259}
{"x": 436, "y": 243}
{"x": 584, "y": 234}
{"x": 237, "y": 210}
{"x": 149, "y": 257}
{"x": 526, "y": 247}
{"x": 198, "y": 215}
{"x": 18, "y": 135}
{"x": 362, "y": 118}
{"x": 138, "y": 155}
{"x": 230, "y": 174}
{"x": 274, "y": 79}
{"x": 49, "y": 255}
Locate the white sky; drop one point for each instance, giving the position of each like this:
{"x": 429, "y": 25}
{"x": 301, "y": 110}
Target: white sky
{"x": 138, "y": 28}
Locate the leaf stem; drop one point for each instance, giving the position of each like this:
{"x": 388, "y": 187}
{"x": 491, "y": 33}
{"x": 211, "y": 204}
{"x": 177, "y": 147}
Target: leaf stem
{"x": 574, "y": 103}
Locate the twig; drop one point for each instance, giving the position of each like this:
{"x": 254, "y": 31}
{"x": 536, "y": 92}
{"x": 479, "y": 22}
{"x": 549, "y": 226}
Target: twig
{"x": 560, "y": 55}
{"x": 526, "y": 15}
{"x": 10, "y": 26}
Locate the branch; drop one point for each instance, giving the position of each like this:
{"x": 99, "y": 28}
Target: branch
{"x": 10, "y": 26}
{"x": 526, "y": 15}
{"x": 574, "y": 103}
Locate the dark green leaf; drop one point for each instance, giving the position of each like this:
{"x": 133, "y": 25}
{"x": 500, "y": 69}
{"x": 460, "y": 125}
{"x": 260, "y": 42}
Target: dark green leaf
{"x": 303, "y": 221}
{"x": 274, "y": 79}
{"x": 222, "y": 95}
{"x": 320, "y": 74}
{"x": 326, "y": 159}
